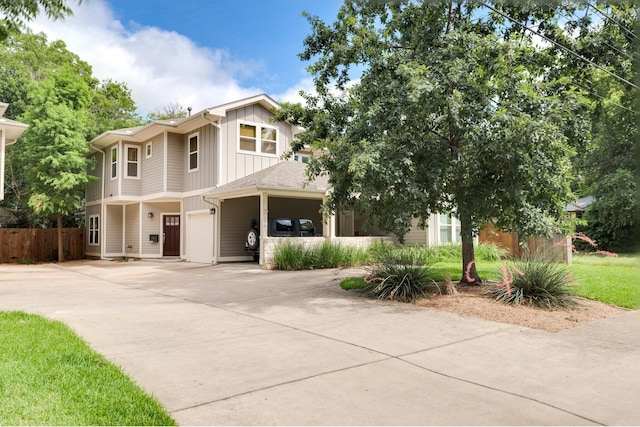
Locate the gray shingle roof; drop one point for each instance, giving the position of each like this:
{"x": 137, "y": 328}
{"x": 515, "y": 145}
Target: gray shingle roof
{"x": 286, "y": 175}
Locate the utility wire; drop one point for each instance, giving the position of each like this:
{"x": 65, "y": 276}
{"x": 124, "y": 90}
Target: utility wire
{"x": 572, "y": 52}
{"x": 604, "y": 41}
{"x": 613, "y": 20}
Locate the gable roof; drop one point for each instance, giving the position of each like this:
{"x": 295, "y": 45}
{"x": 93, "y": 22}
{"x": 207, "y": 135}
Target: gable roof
{"x": 580, "y": 204}
{"x": 11, "y": 128}
{"x": 187, "y": 124}
{"x": 288, "y": 176}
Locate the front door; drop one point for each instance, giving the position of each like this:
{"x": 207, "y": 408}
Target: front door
{"x": 171, "y": 235}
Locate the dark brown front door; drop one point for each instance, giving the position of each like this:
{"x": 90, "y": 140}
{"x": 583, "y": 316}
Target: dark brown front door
{"x": 171, "y": 233}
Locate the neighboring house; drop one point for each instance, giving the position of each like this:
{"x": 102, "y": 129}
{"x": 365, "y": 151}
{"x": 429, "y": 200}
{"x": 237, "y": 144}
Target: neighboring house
{"x": 10, "y": 131}
{"x": 577, "y": 208}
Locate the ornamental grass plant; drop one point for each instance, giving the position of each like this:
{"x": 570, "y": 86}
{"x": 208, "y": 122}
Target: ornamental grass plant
{"x": 534, "y": 280}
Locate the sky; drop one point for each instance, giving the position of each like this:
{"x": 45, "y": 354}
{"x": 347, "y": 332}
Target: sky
{"x": 196, "y": 53}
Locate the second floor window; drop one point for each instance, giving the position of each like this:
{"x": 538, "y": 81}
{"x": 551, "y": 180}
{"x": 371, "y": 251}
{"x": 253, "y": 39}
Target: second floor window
{"x": 114, "y": 162}
{"x": 193, "y": 152}
{"x": 133, "y": 160}
{"x": 259, "y": 139}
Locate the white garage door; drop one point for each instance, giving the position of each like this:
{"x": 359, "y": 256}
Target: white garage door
{"x": 200, "y": 237}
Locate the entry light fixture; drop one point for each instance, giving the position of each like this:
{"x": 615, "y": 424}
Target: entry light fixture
{"x": 150, "y": 215}
{"x": 212, "y": 211}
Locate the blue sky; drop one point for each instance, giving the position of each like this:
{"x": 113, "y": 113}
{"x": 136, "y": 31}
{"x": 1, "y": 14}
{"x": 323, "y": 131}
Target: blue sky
{"x": 197, "y": 53}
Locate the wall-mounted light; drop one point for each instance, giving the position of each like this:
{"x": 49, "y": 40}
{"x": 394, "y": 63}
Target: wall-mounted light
{"x": 212, "y": 211}
{"x": 150, "y": 215}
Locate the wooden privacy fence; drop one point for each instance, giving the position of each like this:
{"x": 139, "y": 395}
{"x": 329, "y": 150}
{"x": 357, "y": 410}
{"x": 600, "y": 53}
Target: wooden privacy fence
{"x": 40, "y": 244}
{"x": 558, "y": 247}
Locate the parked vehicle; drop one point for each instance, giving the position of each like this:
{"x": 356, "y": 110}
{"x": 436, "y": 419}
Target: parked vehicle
{"x": 278, "y": 227}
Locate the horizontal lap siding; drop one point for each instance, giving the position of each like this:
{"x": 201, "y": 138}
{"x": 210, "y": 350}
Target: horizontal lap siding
{"x": 113, "y": 239}
{"x": 154, "y": 225}
{"x": 132, "y": 227}
{"x": 297, "y": 208}
{"x": 90, "y": 211}
{"x": 236, "y": 215}
{"x": 131, "y": 186}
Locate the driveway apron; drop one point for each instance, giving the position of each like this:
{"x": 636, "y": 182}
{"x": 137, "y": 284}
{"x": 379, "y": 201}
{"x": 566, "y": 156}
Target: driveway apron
{"x": 236, "y": 345}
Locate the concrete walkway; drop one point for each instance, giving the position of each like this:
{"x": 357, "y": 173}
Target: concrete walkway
{"x": 233, "y": 344}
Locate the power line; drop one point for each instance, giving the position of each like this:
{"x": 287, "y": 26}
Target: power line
{"x": 572, "y": 52}
{"x": 613, "y": 20}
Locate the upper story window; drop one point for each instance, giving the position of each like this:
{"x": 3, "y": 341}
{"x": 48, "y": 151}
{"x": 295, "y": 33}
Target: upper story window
{"x": 114, "y": 162}
{"x": 133, "y": 161}
{"x": 94, "y": 230}
{"x": 303, "y": 158}
{"x": 258, "y": 139}
{"x": 194, "y": 146}
{"x": 149, "y": 150}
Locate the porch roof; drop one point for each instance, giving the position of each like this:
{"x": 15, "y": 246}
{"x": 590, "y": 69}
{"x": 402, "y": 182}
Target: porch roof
{"x": 287, "y": 176}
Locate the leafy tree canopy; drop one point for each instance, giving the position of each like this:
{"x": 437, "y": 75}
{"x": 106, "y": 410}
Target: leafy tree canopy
{"x": 434, "y": 107}
{"x": 15, "y": 13}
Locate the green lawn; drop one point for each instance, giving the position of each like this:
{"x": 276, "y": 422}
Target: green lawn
{"x": 614, "y": 280}
{"x": 49, "y": 376}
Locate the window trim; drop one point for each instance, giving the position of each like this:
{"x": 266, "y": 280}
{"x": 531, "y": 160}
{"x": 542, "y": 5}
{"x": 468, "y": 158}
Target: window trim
{"x": 148, "y": 150}
{"x": 114, "y": 162}
{"x": 137, "y": 162}
{"x": 195, "y": 135}
{"x": 259, "y": 140}
{"x": 453, "y": 228}
{"x": 94, "y": 228}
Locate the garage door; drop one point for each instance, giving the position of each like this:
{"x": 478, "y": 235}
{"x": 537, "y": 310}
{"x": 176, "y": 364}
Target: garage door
{"x": 200, "y": 237}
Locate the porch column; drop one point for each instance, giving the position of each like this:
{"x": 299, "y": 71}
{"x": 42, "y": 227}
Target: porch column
{"x": 264, "y": 223}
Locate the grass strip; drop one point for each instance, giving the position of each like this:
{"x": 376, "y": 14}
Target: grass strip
{"x": 49, "y": 376}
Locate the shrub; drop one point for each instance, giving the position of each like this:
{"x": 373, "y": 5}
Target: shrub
{"x": 295, "y": 256}
{"x": 400, "y": 278}
{"x": 429, "y": 255}
{"x": 534, "y": 280}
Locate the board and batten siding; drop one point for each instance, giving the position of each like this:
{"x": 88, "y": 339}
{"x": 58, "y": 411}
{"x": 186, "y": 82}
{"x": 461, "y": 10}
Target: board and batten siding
{"x": 236, "y": 215}
{"x": 111, "y": 184}
{"x": 132, "y": 229}
{"x": 176, "y": 161}
{"x": 153, "y": 167}
{"x": 207, "y": 173}
{"x": 93, "y": 192}
{"x": 237, "y": 165}
{"x": 113, "y": 224}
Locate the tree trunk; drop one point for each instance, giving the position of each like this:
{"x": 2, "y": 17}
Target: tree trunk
{"x": 60, "y": 245}
{"x": 469, "y": 273}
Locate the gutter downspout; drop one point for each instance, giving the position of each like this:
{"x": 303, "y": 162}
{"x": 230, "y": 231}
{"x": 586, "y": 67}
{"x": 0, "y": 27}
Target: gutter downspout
{"x": 102, "y": 207}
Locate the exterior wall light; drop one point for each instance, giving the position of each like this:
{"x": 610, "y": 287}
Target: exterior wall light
{"x": 150, "y": 215}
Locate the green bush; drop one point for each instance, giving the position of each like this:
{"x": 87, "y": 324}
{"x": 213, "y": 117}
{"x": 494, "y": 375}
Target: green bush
{"x": 401, "y": 278}
{"x": 534, "y": 280}
{"x": 429, "y": 255}
{"x": 296, "y": 256}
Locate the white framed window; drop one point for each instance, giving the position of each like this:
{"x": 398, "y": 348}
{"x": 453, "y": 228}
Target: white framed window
{"x": 133, "y": 161}
{"x": 114, "y": 162}
{"x": 194, "y": 147}
{"x": 302, "y": 158}
{"x": 148, "y": 150}
{"x": 448, "y": 229}
{"x": 257, "y": 139}
{"x": 94, "y": 230}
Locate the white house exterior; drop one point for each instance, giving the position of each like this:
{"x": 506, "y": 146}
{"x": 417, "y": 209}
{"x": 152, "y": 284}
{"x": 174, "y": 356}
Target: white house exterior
{"x": 10, "y": 131}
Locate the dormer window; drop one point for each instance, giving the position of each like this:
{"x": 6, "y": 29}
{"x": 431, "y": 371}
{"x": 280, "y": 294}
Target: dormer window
{"x": 258, "y": 139}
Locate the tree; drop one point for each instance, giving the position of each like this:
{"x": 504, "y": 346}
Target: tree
{"x": 172, "y": 110}
{"x": 56, "y": 147}
{"x": 448, "y": 115}
{"x": 25, "y": 58}
{"x": 18, "y": 12}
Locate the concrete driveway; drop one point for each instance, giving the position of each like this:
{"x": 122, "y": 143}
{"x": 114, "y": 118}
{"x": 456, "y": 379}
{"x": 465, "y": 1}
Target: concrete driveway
{"x": 233, "y": 344}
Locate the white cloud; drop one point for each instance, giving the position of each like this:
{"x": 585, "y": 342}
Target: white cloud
{"x": 159, "y": 66}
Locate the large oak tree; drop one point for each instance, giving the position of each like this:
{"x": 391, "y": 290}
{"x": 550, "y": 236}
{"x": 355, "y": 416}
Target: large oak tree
{"x": 434, "y": 107}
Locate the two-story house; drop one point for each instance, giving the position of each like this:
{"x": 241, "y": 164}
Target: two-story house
{"x": 10, "y": 131}
{"x": 190, "y": 187}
